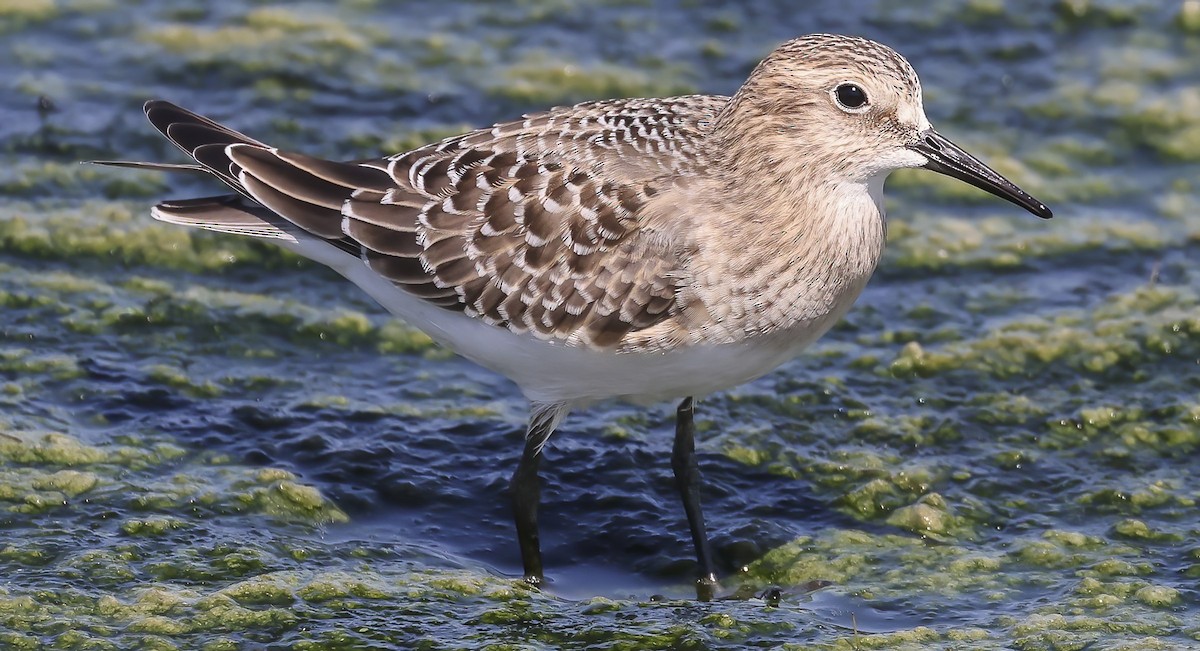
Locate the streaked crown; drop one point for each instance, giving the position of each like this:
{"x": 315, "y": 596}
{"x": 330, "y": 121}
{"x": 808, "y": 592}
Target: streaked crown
{"x": 845, "y": 104}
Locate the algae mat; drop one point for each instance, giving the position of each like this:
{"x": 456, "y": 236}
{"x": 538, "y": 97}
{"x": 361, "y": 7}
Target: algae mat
{"x": 208, "y": 444}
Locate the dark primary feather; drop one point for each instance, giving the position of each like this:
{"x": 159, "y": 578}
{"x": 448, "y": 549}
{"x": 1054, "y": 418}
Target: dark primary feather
{"x": 530, "y": 225}
{"x": 156, "y": 167}
{"x": 227, "y": 213}
{"x": 237, "y": 215}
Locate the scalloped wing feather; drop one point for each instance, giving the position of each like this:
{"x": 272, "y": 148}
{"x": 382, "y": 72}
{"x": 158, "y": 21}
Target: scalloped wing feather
{"x": 531, "y": 225}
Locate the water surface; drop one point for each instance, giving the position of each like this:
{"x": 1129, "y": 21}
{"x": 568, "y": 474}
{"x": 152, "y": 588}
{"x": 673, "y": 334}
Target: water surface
{"x": 206, "y": 443}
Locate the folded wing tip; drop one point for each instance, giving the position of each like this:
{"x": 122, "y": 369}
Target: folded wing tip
{"x": 147, "y": 165}
{"x": 225, "y": 214}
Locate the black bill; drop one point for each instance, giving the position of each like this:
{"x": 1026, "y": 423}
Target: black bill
{"x": 948, "y": 158}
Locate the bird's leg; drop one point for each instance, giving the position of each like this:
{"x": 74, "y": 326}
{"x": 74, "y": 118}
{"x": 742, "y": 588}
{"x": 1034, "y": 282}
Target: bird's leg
{"x": 687, "y": 480}
{"x": 526, "y": 493}
{"x": 526, "y": 490}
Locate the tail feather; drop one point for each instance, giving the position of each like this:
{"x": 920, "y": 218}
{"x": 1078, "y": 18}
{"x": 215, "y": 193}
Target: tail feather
{"x": 307, "y": 193}
{"x": 227, "y": 213}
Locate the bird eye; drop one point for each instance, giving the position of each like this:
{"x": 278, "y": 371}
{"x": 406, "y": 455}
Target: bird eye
{"x": 850, "y": 96}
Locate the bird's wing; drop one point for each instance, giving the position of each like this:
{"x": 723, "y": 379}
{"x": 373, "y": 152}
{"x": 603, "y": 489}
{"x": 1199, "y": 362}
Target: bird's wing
{"x": 228, "y": 213}
{"x": 531, "y": 225}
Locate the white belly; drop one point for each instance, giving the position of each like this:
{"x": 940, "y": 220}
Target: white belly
{"x": 552, "y": 372}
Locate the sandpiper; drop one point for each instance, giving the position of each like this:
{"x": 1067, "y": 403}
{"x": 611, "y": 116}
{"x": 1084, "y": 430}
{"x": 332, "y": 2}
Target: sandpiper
{"x": 644, "y": 249}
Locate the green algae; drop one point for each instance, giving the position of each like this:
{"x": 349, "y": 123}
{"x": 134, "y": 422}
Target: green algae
{"x": 1188, "y": 18}
{"x": 52, "y": 450}
{"x": 176, "y": 378}
{"x": 1133, "y": 329}
{"x": 340, "y": 586}
{"x": 1002, "y": 243}
{"x": 152, "y": 526}
{"x": 23, "y": 362}
{"x": 1095, "y": 13}
{"x": 928, "y": 516}
{"x": 392, "y": 141}
{"x": 917, "y": 638}
{"x": 69, "y": 482}
{"x": 48, "y": 177}
{"x": 1096, "y": 605}
{"x": 16, "y": 14}
{"x": 1167, "y": 124}
{"x": 122, "y": 599}
{"x": 29, "y": 476}
{"x": 253, "y": 45}
{"x": 110, "y": 231}
{"x": 90, "y": 306}
{"x": 879, "y": 566}
{"x": 289, "y": 499}
{"x": 545, "y": 80}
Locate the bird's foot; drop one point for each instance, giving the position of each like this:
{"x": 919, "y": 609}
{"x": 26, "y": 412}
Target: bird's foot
{"x": 706, "y": 587}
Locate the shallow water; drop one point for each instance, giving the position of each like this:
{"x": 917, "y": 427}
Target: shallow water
{"x": 205, "y": 443}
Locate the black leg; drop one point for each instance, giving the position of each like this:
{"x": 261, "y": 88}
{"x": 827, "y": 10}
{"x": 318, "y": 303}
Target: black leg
{"x": 527, "y": 491}
{"x": 687, "y": 480}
